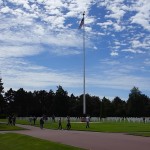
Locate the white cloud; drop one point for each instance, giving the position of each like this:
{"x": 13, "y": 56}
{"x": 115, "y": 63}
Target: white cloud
{"x": 19, "y": 73}
{"x": 117, "y": 14}
{"x": 39, "y": 30}
{"x": 125, "y": 82}
{"x": 147, "y": 62}
{"x": 95, "y": 47}
{"x": 109, "y": 62}
{"x": 133, "y": 51}
{"x": 138, "y": 44}
{"x": 64, "y": 51}
{"x": 105, "y": 24}
{"x": 19, "y": 51}
{"x": 20, "y": 28}
{"x": 142, "y": 17}
{"x": 114, "y": 53}
{"x": 117, "y": 27}
{"x": 117, "y": 74}
{"x": 5, "y": 10}
{"x": 116, "y": 8}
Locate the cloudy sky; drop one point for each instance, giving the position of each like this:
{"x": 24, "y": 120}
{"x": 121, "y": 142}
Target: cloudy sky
{"x": 41, "y": 45}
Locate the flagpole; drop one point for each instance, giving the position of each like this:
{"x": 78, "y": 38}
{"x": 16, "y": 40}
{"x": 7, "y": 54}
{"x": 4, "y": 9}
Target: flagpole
{"x": 84, "y": 98}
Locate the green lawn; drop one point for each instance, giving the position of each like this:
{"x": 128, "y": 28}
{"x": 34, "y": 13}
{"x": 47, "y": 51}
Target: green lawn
{"x": 12, "y": 141}
{"x": 5, "y": 127}
{"x": 146, "y": 134}
{"x": 114, "y": 127}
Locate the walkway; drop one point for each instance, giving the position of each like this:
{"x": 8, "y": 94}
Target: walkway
{"x": 90, "y": 140}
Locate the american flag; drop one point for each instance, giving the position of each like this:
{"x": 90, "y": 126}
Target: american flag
{"x": 81, "y": 23}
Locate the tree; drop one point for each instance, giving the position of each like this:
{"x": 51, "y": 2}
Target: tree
{"x": 20, "y": 102}
{"x": 136, "y": 103}
{"x": 1, "y": 86}
{"x": 118, "y": 107}
{"x": 2, "y": 102}
{"x": 73, "y": 105}
{"x": 61, "y": 102}
{"x": 106, "y": 108}
{"x": 49, "y": 103}
{"x": 93, "y": 105}
{"x": 9, "y": 99}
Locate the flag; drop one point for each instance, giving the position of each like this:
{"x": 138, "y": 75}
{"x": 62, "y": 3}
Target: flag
{"x": 81, "y": 23}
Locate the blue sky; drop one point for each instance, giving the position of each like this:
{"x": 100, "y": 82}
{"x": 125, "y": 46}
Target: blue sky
{"x": 41, "y": 46}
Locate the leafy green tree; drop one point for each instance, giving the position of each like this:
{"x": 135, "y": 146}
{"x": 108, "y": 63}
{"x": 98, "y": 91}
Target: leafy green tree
{"x": 119, "y": 107}
{"x": 61, "y": 102}
{"x": 49, "y": 103}
{"x": 1, "y": 86}
{"x": 21, "y": 102}
{"x": 136, "y": 103}
{"x": 42, "y": 97}
{"x": 93, "y": 105}
{"x": 78, "y": 107}
{"x": 2, "y": 102}
{"x": 106, "y": 108}
{"x": 9, "y": 99}
{"x": 73, "y": 105}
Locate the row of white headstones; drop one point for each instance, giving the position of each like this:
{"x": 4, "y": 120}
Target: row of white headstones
{"x": 96, "y": 119}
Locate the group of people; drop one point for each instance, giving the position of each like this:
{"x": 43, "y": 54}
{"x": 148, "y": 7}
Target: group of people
{"x": 68, "y": 125}
{"x": 32, "y": 119}
{"x": 11, "y": 120}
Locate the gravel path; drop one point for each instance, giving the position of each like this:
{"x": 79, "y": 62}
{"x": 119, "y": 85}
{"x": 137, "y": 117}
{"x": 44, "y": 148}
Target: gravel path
{"x": 90, "y": 140}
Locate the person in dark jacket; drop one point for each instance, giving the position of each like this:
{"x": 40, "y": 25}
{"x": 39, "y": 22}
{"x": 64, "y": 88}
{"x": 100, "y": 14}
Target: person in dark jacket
{"x": 59, "y": 124}
{"x": 68, "y": 123}
{"x": 41, "y": 123}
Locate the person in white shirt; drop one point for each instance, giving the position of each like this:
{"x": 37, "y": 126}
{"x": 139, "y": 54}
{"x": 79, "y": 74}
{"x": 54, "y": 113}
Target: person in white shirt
{"x": 87, "y": 122}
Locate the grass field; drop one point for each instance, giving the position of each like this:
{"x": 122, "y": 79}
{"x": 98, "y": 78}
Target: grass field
{"x": 142, "y": 129}
{"x": 12, "y": 141}
{"x": 145, "y": 134}
{"x": 113, "y": 127}
{"x": 4, "y": 127}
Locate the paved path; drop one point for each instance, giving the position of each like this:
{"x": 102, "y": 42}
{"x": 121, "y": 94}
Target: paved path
{"x": 90, "y": 140}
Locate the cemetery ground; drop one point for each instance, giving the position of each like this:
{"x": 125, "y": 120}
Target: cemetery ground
{"x": 134, "y": 128}
{"x": 109, "y": 127}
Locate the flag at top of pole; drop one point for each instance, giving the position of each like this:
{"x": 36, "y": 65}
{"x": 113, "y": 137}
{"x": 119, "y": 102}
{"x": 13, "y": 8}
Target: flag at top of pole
{"x": 82, "y": 21}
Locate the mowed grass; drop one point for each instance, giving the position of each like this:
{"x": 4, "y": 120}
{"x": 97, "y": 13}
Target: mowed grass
{"x": 142, "y": 129}
{"x": 145, "y": 134}
{"x": 113, "y": 127}
{"x": 13, "y": 141}
{"x": 139, "y": 129}
{"x": 5, "y": 127}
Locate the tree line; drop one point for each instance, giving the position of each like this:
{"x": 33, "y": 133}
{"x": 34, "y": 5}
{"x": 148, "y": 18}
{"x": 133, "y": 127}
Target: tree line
{"x": 27, "y": 103}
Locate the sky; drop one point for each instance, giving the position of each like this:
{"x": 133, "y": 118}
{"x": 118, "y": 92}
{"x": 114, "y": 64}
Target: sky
{"x": 41, "y": 46}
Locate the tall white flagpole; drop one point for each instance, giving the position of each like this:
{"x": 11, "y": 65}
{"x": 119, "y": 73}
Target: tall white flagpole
{"x": 84, "y": 98}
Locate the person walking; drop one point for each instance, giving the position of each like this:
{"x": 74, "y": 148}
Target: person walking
{"x": 87, "y": 122}
{"x": 59, "y": 124}
{"x": 34, "y": 119}
{"x": 14, "y": 120}
{"x": 68, "y": 123}
{"x": 41, "y": 123}
{"x": 53, "y": 118}
{"x": 9, "y": 120}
